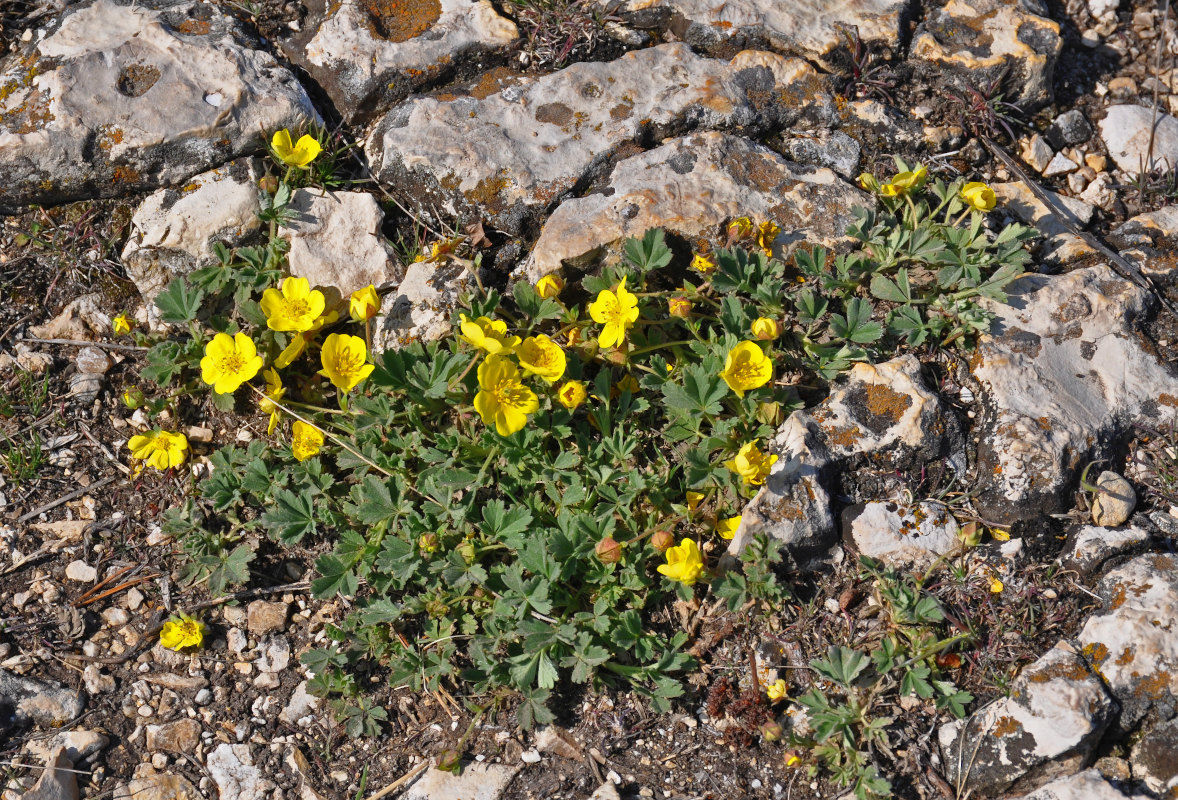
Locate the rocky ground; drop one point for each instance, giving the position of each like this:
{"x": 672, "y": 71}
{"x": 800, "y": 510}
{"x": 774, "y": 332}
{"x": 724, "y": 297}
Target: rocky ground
{"x": 546, "y": 130}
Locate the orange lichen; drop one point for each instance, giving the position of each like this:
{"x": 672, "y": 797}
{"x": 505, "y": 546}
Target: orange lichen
{"x": 1006, "y": 726}
{"x": 401, "y": 20}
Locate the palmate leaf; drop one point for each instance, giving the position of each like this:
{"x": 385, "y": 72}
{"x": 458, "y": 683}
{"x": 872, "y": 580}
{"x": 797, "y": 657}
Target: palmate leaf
{"x": 179, "y": 304}
{"x": 856, "y": 326}
{"x": 292, "y": 518}
{"x": 841, "y": 665}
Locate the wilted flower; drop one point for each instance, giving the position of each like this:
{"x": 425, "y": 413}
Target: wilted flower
{"x": 571, "y": 394}
{"x": 740, "y": 228}
{"x": 181, "y": 632}
{"x": 364, "y": 304}
{"x": 766, "y": 234}
{"x": 608, "y": 551}
{"x": 905, "y": 182}
{"x": 702, "y": 264}
{"x": 294, "y": 307}
{"x": 502, "y": 399}
{"x": 229, "y": 361}
{"x": 679, "y": 307}
{"x": 684, "y": 563}
{"x": 617, "y": 311}
{"x": 979, "y": 196}
{"x": 693, "y": 500}
{"x": 345, "y": 360}
{"x": 661, "y": 540}
{"x": 549, "y": 286}
{"x": 751, "y": 464}
{"x": 269, "y": 403}
{"x": 776, "y": 690}
{"x": 542, "y": 357}
{"x": 305, "y": 440}
{"x": 159, "y": 449}
{"x": 746, "y": 367}
{"x": 489, "y": 335}
{"x": 298, "y": 155}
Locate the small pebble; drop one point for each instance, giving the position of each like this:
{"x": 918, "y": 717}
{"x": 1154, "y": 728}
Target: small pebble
{"x": 145, "y": 711}
{"x": 81, "y": 572}
{"x": 530, "y": 757}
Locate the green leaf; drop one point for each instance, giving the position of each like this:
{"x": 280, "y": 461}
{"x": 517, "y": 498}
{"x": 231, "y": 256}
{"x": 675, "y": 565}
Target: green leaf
{"x": 841, "y": 665}
{"x": 178, "y": 304}
{"x": 648, "y": 253}
{"x": 292, "y": 518}
{"x": 856, "y": 326}
{"x": 897, "y": 291}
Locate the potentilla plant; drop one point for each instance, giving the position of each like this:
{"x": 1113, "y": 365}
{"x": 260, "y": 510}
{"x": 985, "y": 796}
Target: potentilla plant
{"x": 522, "y": 502}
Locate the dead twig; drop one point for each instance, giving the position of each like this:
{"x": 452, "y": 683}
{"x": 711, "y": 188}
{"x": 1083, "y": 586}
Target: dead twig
{"x": 84, "y": 343}
{"x": 401, "y": 781}
{"x": 52, "y": 504}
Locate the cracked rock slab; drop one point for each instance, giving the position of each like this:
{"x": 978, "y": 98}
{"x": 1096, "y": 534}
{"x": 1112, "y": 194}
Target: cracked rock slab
{"x": 33, "y": 701}
{"x": 369, "y": 54}
{"x": 1126, "y": 129}
{"x": 809, "y": 28}
{"x": 478, "y": 781}
{"x": 118, "y": 98}
{"x": 910, "y": 536}
{"x": 880, "y": 416}
{"x": 986, "y": 38}
{"x": 692, "y": 186}
{"x": 1060, "y": 247}
{"x": 514, "y": 154}
{"x": 1048, "y": 727}
{"x": 1065, "y": 375}
{"x": 231, "y": 766}
{"x": 1133, "y": 645}
{"x": 1090, "y": 547}
{"x": 173, "y": 230}
{"x": 421, "y": 307}
{"x": 1086, "y": 785}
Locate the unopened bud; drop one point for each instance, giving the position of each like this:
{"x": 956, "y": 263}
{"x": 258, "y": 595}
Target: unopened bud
{"x": 467, "y": 551}
{"x": 679, "y": 307}
{"x": 268, "y": 184}
{"x": 616, "y": 357}
{"x": 970, "y": 534}
{"x": 770, "y": 413}
{"x": 771, "y": 732}
{"x": 450, "y": 761}
{"x": 662, "y": 540}
{"x": 608, "y": 550}
{"x": 134, "y": 398}
{"x": 428, "y": 543}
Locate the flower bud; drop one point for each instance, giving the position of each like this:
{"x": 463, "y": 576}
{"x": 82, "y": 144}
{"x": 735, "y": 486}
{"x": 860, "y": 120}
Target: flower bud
{"x": 616, "y": 357}
{"x": 766, "y": 329}
{"x": 771, "y": 732}
{"x": 662, "y": 540}
{"x": 467, "y": 551}
{"x": 970, "y": 534}
{"x": 948, "y": 660}
{"x": 450, "y": 761}
{"x": 770, "y": 413}
{"x": 608, "y": 551}
{"x": 268, "y": 184}
{"x": 428, "y": 543}
{"x": 134, "y": 398}
{"x": 679, "y": 307}
{"x": 549, "y": 286}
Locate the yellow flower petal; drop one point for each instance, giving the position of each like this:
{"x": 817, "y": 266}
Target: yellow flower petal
{"x": 746, "y": 367}
{"x": 344, "y": 361}
{"x": 503, "y": 400}
{"x": 305, "y": 440}
{"x": 542, "y": 357}
{"x": 617, "y": 311}
{"x": 364, "y": 304}
{"x": 571, "y": 394}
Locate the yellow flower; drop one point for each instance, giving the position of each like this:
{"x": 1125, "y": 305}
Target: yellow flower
{"x": 502, "y": 399}
{"x": 905, "y": 182}
{"x": 766, "y": 234}
{"x": 868, "y": 182}
{"x": 792, "y": 758}
{"x": 159, "y": 449}
{"x": 274, "y": 393}
{"x": 740, "y": 228}
{"x": 679, "y": 307}
{"x": 776, "y": 691}
{"x": 541, "y": 356}
{"x": 487, "y": 334}
{"x": 297, "y": 346}
{"x": 549, "y": 286}
{"x": 571, "y": 394}
{"x": 296, "y": 307}
{"x": 999, "y": 535}
{"x": 727, "y": 527}
{"x": 751, "y": 464}
{"x": 229, "y": 362}
{"x": 575, "y": 337}
{"x": 693, "y": 500}
{"x": 979, "y": 196}
{"x": 344, "y": 360}
{"x": 684, "y": 563}
{"x": 766, "y": 329}
{"x": 702, "y": 264}
{"x": 746, "y": 367}
{"x": 996, "y": 586}
{"x": 298, "y": 155}
{"x": 305, "y": 440}
{"x": 122, "y": 324}
{"x": 181, "y": 632}
{"x": 627, "y": 384}
{"x": 364, "y": 304}
{"x": 617, "y": 312}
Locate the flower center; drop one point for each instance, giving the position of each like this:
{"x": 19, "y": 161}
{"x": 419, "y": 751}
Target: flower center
{"x": 509, "y": 393}
{"x": 232, "y": 363}
{"x": 347, "y": 362}
{"x": 297, "y": 308}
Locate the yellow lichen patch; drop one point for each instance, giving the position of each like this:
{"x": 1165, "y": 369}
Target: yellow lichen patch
{"x": 401, "y": 20}
{"x": 124, "y": 175}
{"x": 1096, "y": 653}
{"x": 1125, "y": 657}
{"x": 1071, "y": 670}
{"x": 1168, "y": 400}
{"x": 883, "y": 401}
{"x": 1154, "y": 686}
{"x": 1006, "y": 726}
{"x": 194, "y": 27}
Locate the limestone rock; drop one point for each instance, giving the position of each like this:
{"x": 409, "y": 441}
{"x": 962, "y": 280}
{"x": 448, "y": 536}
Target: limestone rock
{"x": 692, "y": 186}
{"x": 1133, "y": 644}
{"x": 912, "y": 536}
{"x": 231, "y": 766}
{"x": 1069, "y": 128}
{"x": 1155, "y": 757}
{"x": 1149, "y": 240}
{"x": 478, "y": 781}
{"x": 810, "y": 28}
{"x": 120, "y": 97}
{"x": 422, "y": 305}
{"x": 1060, "y": 165}
{"x": 1065, "y": 375}
{"x": 1114, "y": 500}
{"x": 1090, "y": 547}
{"x": 1060, "y": 247}
{"x": 79, "y": 744}
{"x": 158, "y": 787}
{"x": 514, "y": 154}
{"x": 265, "y": 617}
{"x": 83, "y": 317}
{"x": 173, "y": 230}
{"x": 835, "y": 150}
{"x": 369, "y": 55}
{"x": 81, "y": 571}
{"x": 1086, "y": 785}
{"x": 43, "y": 703}
{"x": 1126, "y": 133}
{"x": 181, "y": 736}
{"x": 1048, "y": 726}
{"x": 57, "y": 782}
{"x": 336, "y": 243}
{"x": 987, "y": 38}
{"x": 879, "y": 418}
{"x": 302, "y": 704}
{"x": 1037, "y": 152}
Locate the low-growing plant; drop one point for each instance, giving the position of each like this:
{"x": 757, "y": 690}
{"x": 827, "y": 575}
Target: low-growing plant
{"x": 520, "y": 504}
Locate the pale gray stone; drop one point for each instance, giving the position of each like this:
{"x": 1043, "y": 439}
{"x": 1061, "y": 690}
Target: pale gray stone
{"x": 79, "y": 744}
{"x": 366, "y": 60}
{"x": 987, "y": 38}
{"x": 231, "y": 766}
{"x": 158, "y": 787}
{"x": 1090, "y": 547}
{"x": 1126, "y": 133}
{"x": 1060, "y": 165}
{"x": 420, "y": 308}
{"x": 478, "y": 781}
{"x": 173, "y": 230}
{"x": 1132, "y": 644}
{"x": 515, "y": 153}
{"x": 58, "y": 780}
{"x": 835, "y": 150}
{"x": 1047, "y": 727}
{"x": 43, "y": 703}
{"x": 912, "y": 536}
{"x": 1114, "y": 500}
{"x": 275, "y": 655}
{"x": 1037, "y": 152}
{"x": 1065, "y": 377}
{"x": 336, "y": 243}
{"x": 693, "y": 186}
{"x": 1069, "y": 128}
{"x": 120, "y": 97}
{"x": 1086, "y": 785}
{"x": 81, "y": 572}
{"x": 301, "y": 704}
